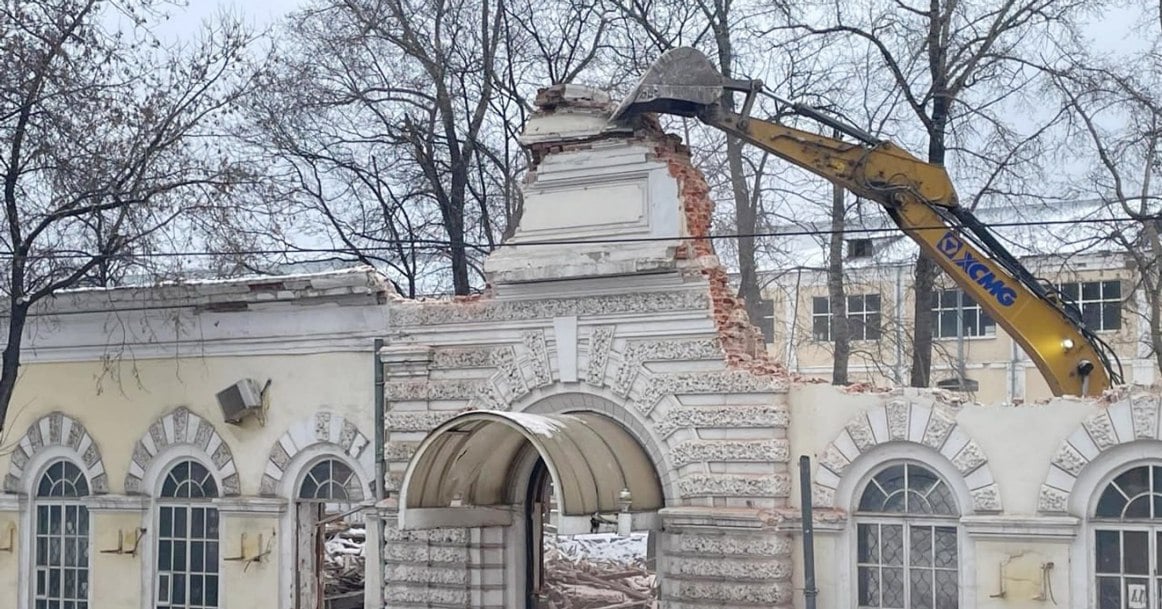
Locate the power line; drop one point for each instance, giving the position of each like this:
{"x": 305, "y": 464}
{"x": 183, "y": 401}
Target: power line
{"x": 391, "y": 245}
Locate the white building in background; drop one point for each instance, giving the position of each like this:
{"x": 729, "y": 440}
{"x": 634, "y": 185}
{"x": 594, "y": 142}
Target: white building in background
{"x": 1068, "y": 251}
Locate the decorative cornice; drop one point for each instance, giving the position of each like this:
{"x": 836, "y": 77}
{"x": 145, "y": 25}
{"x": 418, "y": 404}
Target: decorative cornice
{"x": 1021, "y": 527}
{"x": 251, "y": 505}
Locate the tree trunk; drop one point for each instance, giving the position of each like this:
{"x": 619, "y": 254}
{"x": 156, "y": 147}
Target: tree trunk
{"x": 924, "y": 284}
{"x": 10, "y": 365}
{"x": 835, "y": 291}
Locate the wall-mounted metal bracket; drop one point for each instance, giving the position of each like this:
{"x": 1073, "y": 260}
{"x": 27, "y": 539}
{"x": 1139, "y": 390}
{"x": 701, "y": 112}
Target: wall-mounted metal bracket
{"x": 138, "y": 534}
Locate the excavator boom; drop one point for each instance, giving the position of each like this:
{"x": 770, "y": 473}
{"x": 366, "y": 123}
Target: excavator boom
{"x": 917, "y": 195}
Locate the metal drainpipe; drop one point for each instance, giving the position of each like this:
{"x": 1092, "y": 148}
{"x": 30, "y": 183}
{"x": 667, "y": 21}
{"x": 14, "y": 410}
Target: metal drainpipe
{"x": 809, "y": 589}
{"x": 380, "y": 466}
{"x": 899, "y": 367}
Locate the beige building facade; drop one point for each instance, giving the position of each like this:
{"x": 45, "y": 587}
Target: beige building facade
{"x": 125, "y": 487}
{"x": 880, "y": 307}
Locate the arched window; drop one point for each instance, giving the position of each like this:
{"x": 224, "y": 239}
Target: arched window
{"x": 187, "y": 539}
{"x": 331, "y": 480}
{"x": 906, "y": 554}
{"x": 62, "y": 539}
{"x": 1128, "y": 538}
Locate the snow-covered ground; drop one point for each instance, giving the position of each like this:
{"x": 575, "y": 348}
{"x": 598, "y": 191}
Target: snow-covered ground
{"x": 604, "y": 547}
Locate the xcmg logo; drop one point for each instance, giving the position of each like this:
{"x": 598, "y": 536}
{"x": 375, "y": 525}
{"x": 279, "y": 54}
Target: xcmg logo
{"x": 951, "y": 246}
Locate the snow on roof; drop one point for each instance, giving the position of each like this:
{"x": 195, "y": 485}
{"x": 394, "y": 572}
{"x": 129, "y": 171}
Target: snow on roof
{"x": 359, "y": 283}
{"x": 1031, "y": 230}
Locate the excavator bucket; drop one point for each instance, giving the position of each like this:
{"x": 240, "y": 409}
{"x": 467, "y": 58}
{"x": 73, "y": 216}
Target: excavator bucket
{"x": 682, "y": 81}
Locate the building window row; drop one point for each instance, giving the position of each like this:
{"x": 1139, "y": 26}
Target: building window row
{"x": 956, "y": 314}
{"x": 187, "y": 550}
{"x": 907, "y": 553}
{"x": 863, "y": 317}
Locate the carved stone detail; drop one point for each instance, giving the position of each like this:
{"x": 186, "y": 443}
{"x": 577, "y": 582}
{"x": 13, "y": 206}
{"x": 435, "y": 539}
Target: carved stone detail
{"x": 54, "y": 430}
{"x": 861, "y": 433}
{"x": 416, "y": 421}
{"x": 534, "y": 341}
{"x": 739, "y": 451}
{"x": 733, "y": 545}
{"x": 898, "y": 420}
{"x": 725, "y": 417}
{"x": 452, "y": 359}
{"x": 1068, "y": 459}
{"x": 1052, "y": 500}
{"x": 986, "y": 499}
{"x": 1144, "y": 411}
{"x": 444, "y": 313}
{"x": 600, "y": 343}
{"x": 734, "y": 485}
{"x": 724, "y": 381}
{"x": 180, "y": 420}
{"x": 674, "y": 350}
{"x": 1101, "y": 430}
{"x": 834, "y": 460}
{"x": 939, "y": 426}
{"x": 969, "y": 458}
{"x": 509, "y": 373}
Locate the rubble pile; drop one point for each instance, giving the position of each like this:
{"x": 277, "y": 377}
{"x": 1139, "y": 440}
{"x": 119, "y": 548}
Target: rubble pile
{"x": 601, "y": 571}
{"x": 344, "y": 561}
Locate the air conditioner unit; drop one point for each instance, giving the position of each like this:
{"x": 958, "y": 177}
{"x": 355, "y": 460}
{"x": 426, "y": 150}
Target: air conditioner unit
{"x": 240, "y": 400}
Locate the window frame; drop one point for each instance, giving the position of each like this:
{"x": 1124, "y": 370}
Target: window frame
{"x": 81, "y": 503}
{"x": 1080, "y": 302}
{"x": 964, "y": 558}
{"x": 153, "y": 572}
{"x": 968, "y": 305}
{"x": 1151, "y": 526}
{"x": 862, "y": 316}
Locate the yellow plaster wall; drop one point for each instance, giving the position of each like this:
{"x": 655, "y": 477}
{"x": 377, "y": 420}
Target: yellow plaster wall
{"x": 117, "y": 414}
{"x": 115, "y": 579}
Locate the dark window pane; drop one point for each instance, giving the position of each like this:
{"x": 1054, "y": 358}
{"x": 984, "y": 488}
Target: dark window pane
{"x": 1139, "y": 507}
{"x": 872, "y": 500}
{"x": 920, "y": 538}
{"x": 1136, "y": 552}
{"x": 1091, "y": 315}
{"x": 892, "y": 478}
{"x": 871, "y": 302}
{"x": 179, "y": 556}
{"x": 1111, "y": 316}
{"x": 891, "y": 545}
{"x": 211, "y": 591}
{"x": 921, "y": 582}
{"x": 921, "y": 479}
{"x": 820, "y": 305}
{"x": 1111, "y": 290}
{"x": 1111, "y": 504}
{"x": 165, "y": 522}
{"x": 1134, "y": 481}
{"x": 868, "y": 544}
{"x": 947, "y": 554}
{"x": 869, "y": 587}
{"x": 197, "y": 555}
{"x": 947, "y": 322}
{"x": 854, "y": 304}
{"x": 197, "y": 595}
{"x": 198, "y": 525}
{"x": 164, "y": 555}
{"x": 948, "y": 298}
{"x": 1091, "y": 290}
{"x": 179, "y": 522}
{"x": 1108, "y": 549}
{"x": 179, "y": 588}
{"x": 1070, "y": 291}
{"x": 872, "y": 329}
{"x": 893, "y": 588}
{"x": 163, "y": 588}
{"x": 212, "y": 557}
{"x": 947, "y": 590}
{"x": 821, "y": 328}
{"x": 212, "y": 523}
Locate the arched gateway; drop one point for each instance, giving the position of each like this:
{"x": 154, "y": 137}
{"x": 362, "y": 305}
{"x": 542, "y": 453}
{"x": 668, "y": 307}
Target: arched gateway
{"x": 475, "y": 460}
{"x": 597, "y": 385}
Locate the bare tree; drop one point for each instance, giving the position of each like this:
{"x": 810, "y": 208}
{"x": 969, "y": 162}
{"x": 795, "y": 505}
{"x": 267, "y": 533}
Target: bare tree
{"x": 1118, "y": 108}
{"x": 951, "y": 62}
{"x": 107, "y": 139}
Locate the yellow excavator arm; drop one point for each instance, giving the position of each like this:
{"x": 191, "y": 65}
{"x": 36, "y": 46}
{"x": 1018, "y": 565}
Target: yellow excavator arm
{"x": 916, "y": 194}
